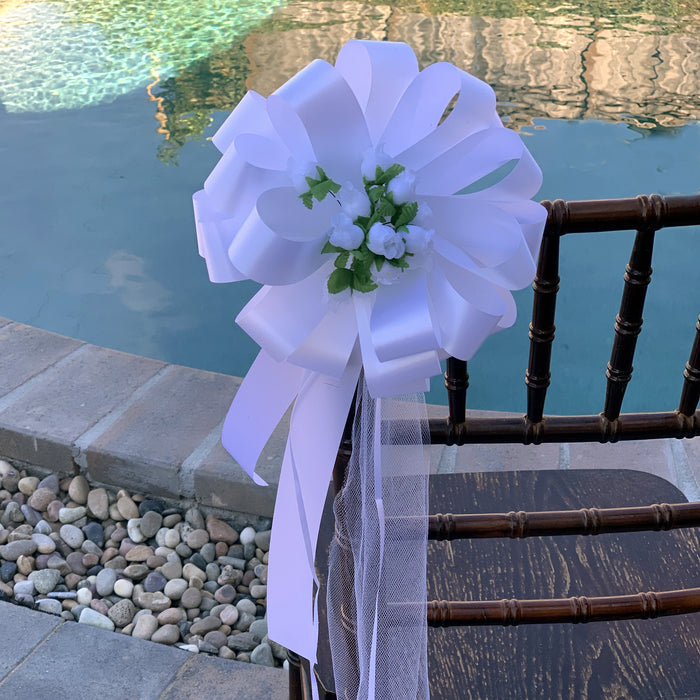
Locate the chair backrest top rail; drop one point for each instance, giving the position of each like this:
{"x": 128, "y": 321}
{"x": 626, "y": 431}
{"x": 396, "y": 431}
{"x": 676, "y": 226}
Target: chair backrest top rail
{"x": 644, "y": 212}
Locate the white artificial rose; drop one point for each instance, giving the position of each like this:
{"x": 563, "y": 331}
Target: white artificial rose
{"x": 354, "y": 202}
{"x": 371, "y": 159}
{"x": 384, "y": 240}
{"x": 298, "y": 172}
{"x": 387, "y": 275}
{"x": 345, "y": 234}
{"x": 403, "y": 187}
{"x": 424, "y": 216}
{"x": 418, "y": 239}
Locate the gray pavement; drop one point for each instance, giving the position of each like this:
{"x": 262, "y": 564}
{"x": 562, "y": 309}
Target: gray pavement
{"x": 43, "y": 657}
{"x": 126, "y": 421}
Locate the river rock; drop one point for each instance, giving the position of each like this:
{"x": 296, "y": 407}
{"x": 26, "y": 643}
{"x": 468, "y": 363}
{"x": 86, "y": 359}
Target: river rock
{"x": 123, "y": 588}
{"x": 206, "y": 624}
{"x": 49, "y": 605}
{"x": 167, "y": 634}
{"x": 191, "y": 598}
{"x": 51, "y": 483}
{"x": 139, "y": 553}
{"x": 154, "y": 582}
{"x": 262, "y": 540}
{"x": 104, "y": 583}
{"x": 44, "y": 544}
{"x": 70, "y": 515}
{"x": 127, "y": 508}
{"x": 13, "y": 550}
{"x": 28, "y": 485}
{"x": 219, "y": 531}
{"x": 73, "y": 536}
{"x": 45, "y": 580}
{"x": 145, "y": 626}
{"x": 197, "y": 539}
{"x": 175, "y": 588}
{"x": 41, "y": 498}
{"x": 98, "y": 504}
{"x": 242, "y": 642}
{"x": 79, "y": 489}
{"x": 229, "y": 615}
{"x": 150, "y": 523}
{"x": 122, "y": 613}
{"x": 156, "y": 602}
{"x": 262, "y": 655}
{"x": 88, "y": 616}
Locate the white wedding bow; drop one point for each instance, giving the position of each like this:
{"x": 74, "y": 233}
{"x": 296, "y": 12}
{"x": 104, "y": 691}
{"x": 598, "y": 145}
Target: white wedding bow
{"x": 434, "y": 286}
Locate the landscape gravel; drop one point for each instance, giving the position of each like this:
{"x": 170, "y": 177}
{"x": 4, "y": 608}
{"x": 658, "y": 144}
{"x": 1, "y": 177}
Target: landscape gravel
{"x": 135, "y": 565}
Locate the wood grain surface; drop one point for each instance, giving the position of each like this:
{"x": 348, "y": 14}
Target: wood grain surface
{"x": 635, "y": 660}
{"x": 627, "y": 659}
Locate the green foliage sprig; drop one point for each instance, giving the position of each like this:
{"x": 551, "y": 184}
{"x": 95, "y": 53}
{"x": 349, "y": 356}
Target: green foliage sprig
{"x": 353, "y": 268}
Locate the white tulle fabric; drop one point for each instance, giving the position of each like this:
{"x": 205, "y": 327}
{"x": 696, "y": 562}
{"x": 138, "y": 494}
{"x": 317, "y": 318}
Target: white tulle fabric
{"x": 376, "y": 578}
{"x": 441, "y": 125}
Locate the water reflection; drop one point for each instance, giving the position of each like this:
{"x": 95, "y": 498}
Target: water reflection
{"x": 69, "y": 54}
{"x": 137, "y": 291}
{"x": 595, "y": 60}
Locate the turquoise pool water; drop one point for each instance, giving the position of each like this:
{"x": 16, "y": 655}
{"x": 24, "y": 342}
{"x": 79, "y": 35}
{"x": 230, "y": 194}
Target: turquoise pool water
{"x": 99, "y": 158}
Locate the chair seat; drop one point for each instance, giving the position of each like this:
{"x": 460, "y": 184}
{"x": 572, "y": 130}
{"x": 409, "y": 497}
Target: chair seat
{"x": 626, "y": 659}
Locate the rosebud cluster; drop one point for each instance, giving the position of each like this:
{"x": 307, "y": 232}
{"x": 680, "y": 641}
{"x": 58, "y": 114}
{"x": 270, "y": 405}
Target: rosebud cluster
{"x": 376, "y": 234}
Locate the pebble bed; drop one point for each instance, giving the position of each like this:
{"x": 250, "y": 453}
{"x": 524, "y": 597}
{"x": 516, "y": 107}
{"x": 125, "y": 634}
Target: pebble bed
{"x": 134, "y": 565}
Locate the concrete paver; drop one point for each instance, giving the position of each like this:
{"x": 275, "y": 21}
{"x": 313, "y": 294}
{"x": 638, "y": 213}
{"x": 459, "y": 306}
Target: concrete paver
{"x": 41, "y": 426}
{"x": 220, "y": 483}
{"x": 211, "y": 678}
{"x": 28, "y": 351}
{"x": 43, "y": 657}
{"x": 156, "y": 434}
{"x": 22, "y": 631}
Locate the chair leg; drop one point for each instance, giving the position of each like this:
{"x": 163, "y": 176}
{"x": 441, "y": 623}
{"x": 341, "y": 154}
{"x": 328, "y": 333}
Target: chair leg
{"x": 295, "y": 680}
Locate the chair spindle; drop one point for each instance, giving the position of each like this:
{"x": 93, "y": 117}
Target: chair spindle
{"x": 691, "y": 379}
{"x": 545, "y": 286}
{"x": 456, "y": 383}
{"x": 628, "y": 324}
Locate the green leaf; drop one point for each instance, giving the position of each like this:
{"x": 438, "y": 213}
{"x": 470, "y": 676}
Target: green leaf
{"x": 339, "y": 280}
{"x": 362, "y": 285}
{"x": 342, "y": 260}
{"x": 363, "y": 253}
{"x": 307, "y": 199}
{"x": 406, "y": 214}
{"x": 375, "y": 193}
{"x": 320, "y": 190}
{"x": 379, "y": 262}
{"x": 385, "y": 209}
{"x": 390, "y": 174}
{"x": 330, "y": 248}
{"x": 362, "y": 222}
{"x": 321, "y": 173}
{"x": 399, "y": 262}
{"x": 311, "y": 182}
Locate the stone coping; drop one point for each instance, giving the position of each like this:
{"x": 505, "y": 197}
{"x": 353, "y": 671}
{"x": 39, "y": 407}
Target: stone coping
{"x": 123, "y": 420}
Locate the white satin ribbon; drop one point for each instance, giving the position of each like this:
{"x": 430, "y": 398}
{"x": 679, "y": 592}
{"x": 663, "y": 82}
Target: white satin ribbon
{"x": 252, "y": 224}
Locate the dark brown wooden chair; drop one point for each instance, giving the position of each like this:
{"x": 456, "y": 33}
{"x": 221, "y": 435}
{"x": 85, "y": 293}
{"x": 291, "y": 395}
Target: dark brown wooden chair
{"x": 502, "y": 546}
